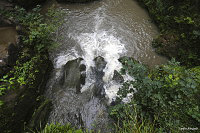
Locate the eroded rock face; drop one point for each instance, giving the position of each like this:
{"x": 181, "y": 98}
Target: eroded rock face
{"x": 118, "y": 77}
{"x": 80, "y": 108}
{"x": 72, "y": 75}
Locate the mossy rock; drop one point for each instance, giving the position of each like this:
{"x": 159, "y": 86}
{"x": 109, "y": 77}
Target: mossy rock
{"x": 40, "y": 116}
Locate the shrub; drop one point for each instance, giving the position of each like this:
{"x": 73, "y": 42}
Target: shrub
{"x": 179, "y": 23}
{"x": 127, "y": 120}
{"x": 170, "y": 92}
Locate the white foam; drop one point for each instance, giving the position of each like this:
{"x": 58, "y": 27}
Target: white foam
{"x": 94, "y": 43}
{"x": 127, "y": 99}
{"x": 63, "y": 58}
{"x": 105, "y": 45}
{"x": 111, "y": 90}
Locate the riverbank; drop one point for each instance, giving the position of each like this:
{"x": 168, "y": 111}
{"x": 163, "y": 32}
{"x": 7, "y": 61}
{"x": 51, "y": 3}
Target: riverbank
{"x": 99, "y": 32}
{"x": 22, "y": 105}
{"x": 179, "y": 24}
{"x": 165, "y": 99}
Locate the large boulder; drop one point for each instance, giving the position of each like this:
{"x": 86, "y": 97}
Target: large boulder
{"x": 73, "y": 75}
{"x": 100, "y": 64}
{"x": 118, "y": 77}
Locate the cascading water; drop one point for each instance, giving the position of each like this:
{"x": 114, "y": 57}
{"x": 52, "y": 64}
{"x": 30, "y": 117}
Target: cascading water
{"x": 93, "y": 38}
{"x": 104, "y": 44}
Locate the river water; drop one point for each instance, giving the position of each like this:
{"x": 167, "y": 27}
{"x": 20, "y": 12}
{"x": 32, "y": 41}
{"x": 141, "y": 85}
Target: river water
{"x": 95, "y": 35}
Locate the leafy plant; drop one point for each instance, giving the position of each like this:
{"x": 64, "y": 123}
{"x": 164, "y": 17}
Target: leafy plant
{"x": 179, "y": 23}
{"x": 36, "y": 36}
{"x": 6, "y": 83}
{"x": 170, "y": 92}
{"x": 58, "y": 128}
{"x": 128, "y": 120}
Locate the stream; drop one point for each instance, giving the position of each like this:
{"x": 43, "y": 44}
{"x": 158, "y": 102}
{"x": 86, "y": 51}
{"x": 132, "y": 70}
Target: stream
{"x": 86, "y": 78}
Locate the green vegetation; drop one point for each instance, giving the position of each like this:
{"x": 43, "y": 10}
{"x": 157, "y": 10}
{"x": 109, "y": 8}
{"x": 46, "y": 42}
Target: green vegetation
{"x": 58, "y": 128}
{"x": 128, "y": 121}
{"x": 167, "y": 97}
{"x": 179, "y": 24}
{"x": 36, "y": 41}
{"x": 25, "y": 82}
{"x": 67, "y": 128}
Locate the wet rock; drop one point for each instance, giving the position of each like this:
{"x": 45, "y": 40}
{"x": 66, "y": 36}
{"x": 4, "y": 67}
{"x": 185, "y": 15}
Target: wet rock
{"x": 118, "y": 77}
{"x": 8, "y": 46}
{"x": 39, "y": 117}
{"x": 12, "y": 54}
{"x": 29, "y": 3}
{"x": 74, "y": 1}
{"x": 83, "y": 74}
{"x": 72, "y": 76}
{"x": 95, "y": 116}
{"x": 20, "y": 103}
{"x": 9, "y": 55}
{"x": 82, "y": 67}
{"x": 75, "y": 118}
{"x": 100, "y": 64}
{"x": 99, "y": 90}
{"x": 83, "y": 78}
{"x": 86, "y": 109}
